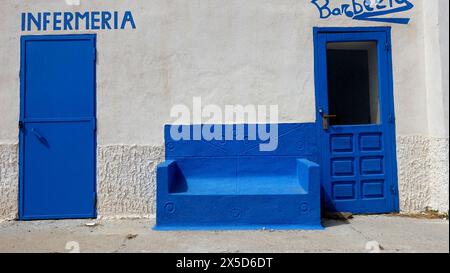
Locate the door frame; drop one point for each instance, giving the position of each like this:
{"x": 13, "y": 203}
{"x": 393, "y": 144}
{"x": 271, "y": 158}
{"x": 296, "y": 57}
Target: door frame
{"x": 387, "y": 98}
{"x": 65, "y": 37}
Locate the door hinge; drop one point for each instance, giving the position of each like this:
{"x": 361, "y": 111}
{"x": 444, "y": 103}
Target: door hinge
{"x": 20, "y": 125}
{"x": 94, "y": 54}
{"x": 95, "y": 200}
{"x": 388, "y": 47}
{"x": 94, "y": 125}
{"x": 391, "y": 118}
{"x": 393, "y": 190}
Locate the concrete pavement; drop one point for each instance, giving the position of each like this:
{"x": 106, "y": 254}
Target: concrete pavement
{"x": 360, "y": 234}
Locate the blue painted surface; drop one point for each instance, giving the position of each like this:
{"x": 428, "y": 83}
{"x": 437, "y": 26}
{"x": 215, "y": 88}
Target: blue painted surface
{"x": 362, "y": 10}
{"x": 57, "y": 120}
{"x": 88, "y": 20}
{"x": 232, "y": 185}
{"x": 359, "y": 168}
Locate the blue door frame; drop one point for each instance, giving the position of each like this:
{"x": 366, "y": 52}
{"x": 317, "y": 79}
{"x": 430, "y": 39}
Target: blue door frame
{"x": 353, "y": 149}
{"x": 57, "y": 136}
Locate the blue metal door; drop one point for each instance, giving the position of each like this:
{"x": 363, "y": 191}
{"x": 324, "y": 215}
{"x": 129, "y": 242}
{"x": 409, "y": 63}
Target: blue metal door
{"x": 57, "y": 127}
{"x": 359, "y": 168}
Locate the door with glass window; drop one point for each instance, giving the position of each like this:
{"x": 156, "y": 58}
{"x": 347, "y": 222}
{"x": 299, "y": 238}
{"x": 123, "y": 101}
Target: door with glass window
{"x": 356, "y": 121}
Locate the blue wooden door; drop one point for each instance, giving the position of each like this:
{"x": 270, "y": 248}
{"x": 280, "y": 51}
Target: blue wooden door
{"x": 57, "y": 127}
{"x": 359, "y": 171}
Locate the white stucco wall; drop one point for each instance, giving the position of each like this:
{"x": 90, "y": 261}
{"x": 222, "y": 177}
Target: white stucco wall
{"x": 436, "y": 64}
{"x": 228, "y": 52}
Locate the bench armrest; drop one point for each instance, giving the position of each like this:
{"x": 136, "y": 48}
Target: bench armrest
{"x": 166, "y": 173}
{"x": 308, "y": 174}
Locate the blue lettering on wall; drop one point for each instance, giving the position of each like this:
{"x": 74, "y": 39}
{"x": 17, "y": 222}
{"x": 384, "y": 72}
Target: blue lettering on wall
{"x": 106, "y": 16}
{"x": 365, "y": 10}
{"x": 57, "y": 20}
{"x": 127, "y": 18}
{"x": 89, "y": 20}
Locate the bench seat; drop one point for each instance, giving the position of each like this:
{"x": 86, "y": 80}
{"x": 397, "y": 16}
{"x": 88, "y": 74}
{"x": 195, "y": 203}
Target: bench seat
{"x": 238, "y": 193}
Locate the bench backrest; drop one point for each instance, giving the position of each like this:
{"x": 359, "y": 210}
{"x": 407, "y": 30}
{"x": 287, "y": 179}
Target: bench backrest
{"x": 225, "y": 157}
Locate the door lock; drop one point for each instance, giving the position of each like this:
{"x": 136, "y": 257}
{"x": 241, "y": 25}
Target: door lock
{"x": 326, "y": 120}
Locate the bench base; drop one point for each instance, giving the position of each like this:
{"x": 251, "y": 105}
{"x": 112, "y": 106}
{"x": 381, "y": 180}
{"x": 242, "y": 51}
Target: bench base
{"x": 238, "y": 228}
{"x": 238, "y": 212}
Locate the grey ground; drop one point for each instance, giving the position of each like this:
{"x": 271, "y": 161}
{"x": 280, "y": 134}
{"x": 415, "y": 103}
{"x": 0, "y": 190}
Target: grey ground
{"x": 393, "y": 234}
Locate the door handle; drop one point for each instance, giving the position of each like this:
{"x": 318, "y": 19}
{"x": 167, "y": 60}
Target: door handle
{"x": 40, "y": 137}
{"x": 36, "y": 133}
{"x": 326, "y": 120}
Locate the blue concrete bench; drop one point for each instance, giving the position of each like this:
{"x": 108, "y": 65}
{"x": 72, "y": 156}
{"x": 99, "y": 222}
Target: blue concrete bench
{"x": 231, "y": 185}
